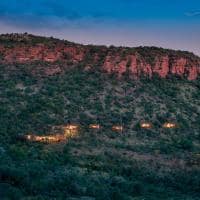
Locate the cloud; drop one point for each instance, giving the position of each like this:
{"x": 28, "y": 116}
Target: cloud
{"x": 48, "y": 13}
{"x": 193, "y": 13}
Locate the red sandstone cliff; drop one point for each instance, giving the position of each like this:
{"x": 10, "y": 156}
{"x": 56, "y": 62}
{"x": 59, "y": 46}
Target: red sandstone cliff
{"x": 143, "y": 61}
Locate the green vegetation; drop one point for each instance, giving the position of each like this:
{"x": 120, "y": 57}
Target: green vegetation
{"x": 103, "y": 165}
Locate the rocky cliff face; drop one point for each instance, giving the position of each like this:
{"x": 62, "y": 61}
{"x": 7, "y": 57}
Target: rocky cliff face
{"x": 163, "y": 66}
{"x": 137, "y": 62}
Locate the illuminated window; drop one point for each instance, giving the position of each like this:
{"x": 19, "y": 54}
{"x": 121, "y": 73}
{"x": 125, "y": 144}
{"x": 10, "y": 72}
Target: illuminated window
{"x": 94, "y": 126}
{"x": 117, "y": 128}
{"x": 169, "y": 125}
{"x": 71, "y": 130}
{"x": 28, "y": 137}
{"x": 146, "y": 125}
{"x": 46, "y": 138}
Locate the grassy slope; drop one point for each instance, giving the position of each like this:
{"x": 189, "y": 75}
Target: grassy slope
{"x": 139, "y": 164}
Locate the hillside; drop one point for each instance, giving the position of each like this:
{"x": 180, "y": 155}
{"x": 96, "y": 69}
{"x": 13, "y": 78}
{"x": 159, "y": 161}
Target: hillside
{"x": 136, "y": 62}
{"x": 37, "y": 93}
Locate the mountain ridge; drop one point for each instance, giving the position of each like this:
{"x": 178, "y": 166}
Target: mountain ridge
{"x": 136, "y": 61}
{"x": 37, "y": 95}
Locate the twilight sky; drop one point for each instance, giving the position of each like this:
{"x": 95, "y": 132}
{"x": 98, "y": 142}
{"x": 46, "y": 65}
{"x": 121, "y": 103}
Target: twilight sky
{"x": 166, "y": 23}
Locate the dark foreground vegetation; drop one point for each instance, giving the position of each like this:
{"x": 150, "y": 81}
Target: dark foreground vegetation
{"x": 137, "y": 164}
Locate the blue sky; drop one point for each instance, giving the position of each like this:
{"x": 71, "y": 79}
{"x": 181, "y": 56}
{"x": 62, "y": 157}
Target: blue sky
{"x": 166, "y": 23}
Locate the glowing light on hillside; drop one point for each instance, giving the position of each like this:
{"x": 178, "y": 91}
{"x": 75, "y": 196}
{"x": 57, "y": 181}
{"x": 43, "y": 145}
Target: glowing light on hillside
{"x": 169, "y": 125}
{"x": 67, "y": 131}
{"x": 71, "y": 127}
{"x": 94, "y": 126}
{"x": 117, "y": 128}
{"x": 45, "y": 138}
{"x": 28, "y": 137}
{"x": 146, "y": 125}
{"x": 71, "y": 130}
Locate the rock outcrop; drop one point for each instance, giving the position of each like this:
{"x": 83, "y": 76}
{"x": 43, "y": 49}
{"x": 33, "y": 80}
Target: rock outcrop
{"x": 141, "y": 61}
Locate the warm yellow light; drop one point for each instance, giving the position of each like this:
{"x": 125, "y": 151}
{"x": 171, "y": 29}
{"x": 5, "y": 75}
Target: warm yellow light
{"x": 28, "y": 137}
{"x": 71, "y": 127}
{"x": 94, "y": 126}
{"x": 117, "y": 128}
{"x": 71, "y": 130}
{"x": 169, "y": 125}
{"x": 145, "y": 125}
{"x": 46, "y": 138}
